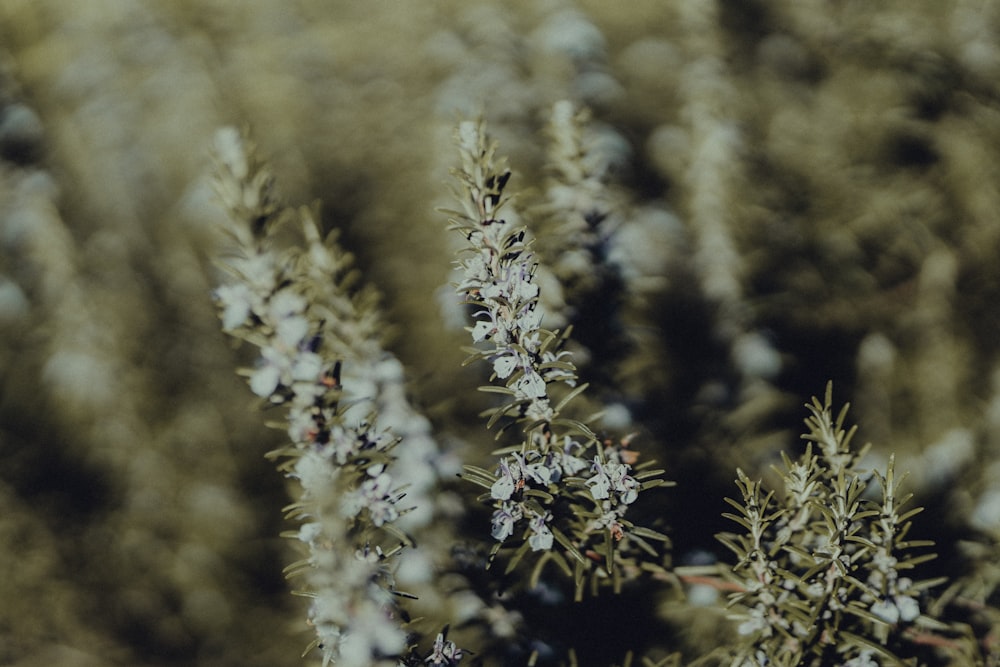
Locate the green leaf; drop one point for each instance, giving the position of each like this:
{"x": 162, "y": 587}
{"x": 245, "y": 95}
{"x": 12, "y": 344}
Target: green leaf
{"x": 516, "y": 558}
{"x": 738, "y": 519}
{"x": 570, "y": 396}
{"x": 548, "y": 498}
{"x": 906, "y": 516}
{"x": 648, "y": 532}
{"x": 479, "y": 476}
{"x": 728, "y": 541}
{"x": 568, "y": 546}
{"x": 912, "y": 561}
{"x": 494, "y": 389}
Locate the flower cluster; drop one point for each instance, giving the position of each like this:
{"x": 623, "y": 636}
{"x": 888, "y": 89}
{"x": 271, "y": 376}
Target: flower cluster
{"x": 292, "y": 306}
{"x": 541, "y": 484}
{"x": 820, "y": 572}
{"x": 444, "y": 653}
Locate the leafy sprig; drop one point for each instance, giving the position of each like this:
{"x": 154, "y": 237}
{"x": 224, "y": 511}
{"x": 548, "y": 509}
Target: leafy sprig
{"x": 562, "y": 493}
{"x": 294, "y": 302}
{"x": 822, "y": 570}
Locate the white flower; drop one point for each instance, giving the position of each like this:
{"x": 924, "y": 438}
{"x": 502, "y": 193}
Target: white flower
{"x": 626, "y": 485}
{"x": 237, "y": 303}
{"x": 286, "y": 302}
{"x": 291, "y": 330}
{"x": 570, "y": 463}
{"x": 482, "y": 330}
{"x": 265, "y": 380}
{"x": 286, "y": 310}
{"x": 530, "y": 385}
{"x": 231, "y": 152}
{"x": 307, "y": 367}
{"x": 600, "y": 484}
{"x": 530, "y": 318}
{"x": 278, "y": 368}
{"x": 909, "y": 609}
{"x": 543, "y": 472}
{"x": 445, "y": 653}
{"x": 371, "y": 632}
{"x": 506, "y": 483}
{"x": 315, "y": 472}
{"x": 258, "y": 271}
{"x": 504, "y": 520}
{"x": 302, "y": 425}
{"x": 541, "y": 535}
{"x": 522, "y": 289}
{"x": 468, "y": 136}
{"x": 375, "y": 495}
{"x": 476, "y": 270}
{"x": 752, "y": 625}
{"x": 505, "y": 365}
{"x": 309, "y": 532}
{"x": 492, "y": 291}
{"x": 886, "y": 610}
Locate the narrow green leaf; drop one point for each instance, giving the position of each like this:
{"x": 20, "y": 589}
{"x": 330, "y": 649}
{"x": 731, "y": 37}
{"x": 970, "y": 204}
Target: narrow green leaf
{"x": 516, "y": 558}
{"x": 648, "y": 532}
{"x": 547, "y": 498}
{"x": 494, "y": 389}
{"x": 579, "y": 389}
{"x": 738, "y": 519}
{"x": 568, "y": 546}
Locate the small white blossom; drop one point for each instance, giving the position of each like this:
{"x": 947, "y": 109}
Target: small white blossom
{"x": 530, "y": 385}
{"x": 237, "y": 303}
{"x": 504, "y": 520}
{"x": 886, "y": 610}
{"x": 613, "y": 476}
{"x": 511, "y": 472}
{"x": 375, "y": 494}
{"x": 505, "y": 365}
{"x": 444, "y": 654}
{"x": 468, "y": 136}
{"x": 286, "y": 310}
{"x": 600, "y": 484}
{"x": 754, "y": 624}
{"x": 530, "y": 318}
{"x": 482, "y": 330}
{"x": 492, "y": 291}
{"x": 265, "y": 380}
{"x": 309, "y": 532}
{"x": 541, "y": 534}
{"x": 292, "y": 329}
{"x": 544, "y": 472}
{"x": 521, "y": 289}
{"x": 302, "y": 427}
{"x": 909, "y": 608}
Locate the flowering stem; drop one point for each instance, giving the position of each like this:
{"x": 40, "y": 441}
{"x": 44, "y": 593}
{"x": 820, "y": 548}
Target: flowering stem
{"x": 294, "y": 307}
{"x": 538, "y": 488}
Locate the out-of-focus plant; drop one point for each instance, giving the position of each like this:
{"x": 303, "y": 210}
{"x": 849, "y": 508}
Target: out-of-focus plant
{"x": 294, "y": 302}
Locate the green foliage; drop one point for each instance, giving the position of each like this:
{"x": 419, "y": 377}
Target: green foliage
{"x": 823, "y": 562}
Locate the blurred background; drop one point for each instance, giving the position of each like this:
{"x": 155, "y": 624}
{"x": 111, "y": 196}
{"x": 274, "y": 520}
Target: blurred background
{"x": 804, "y": 191}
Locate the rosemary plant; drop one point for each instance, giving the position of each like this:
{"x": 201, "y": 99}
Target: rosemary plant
{"x": 561, "y": 493}
{"x": 823, "y": 564}
{"x": 294, "y": 304}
